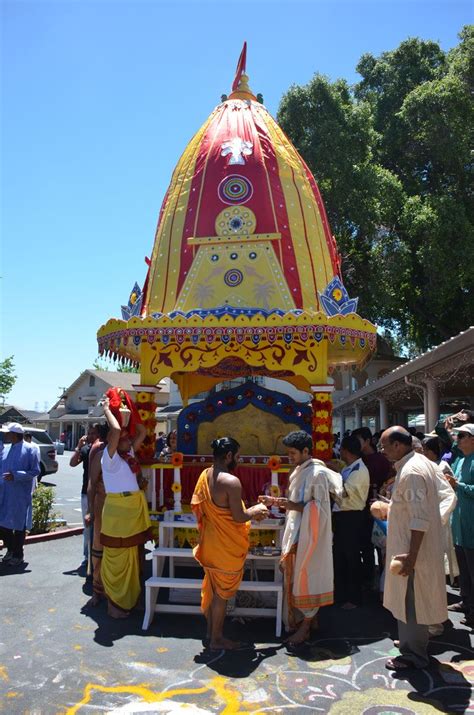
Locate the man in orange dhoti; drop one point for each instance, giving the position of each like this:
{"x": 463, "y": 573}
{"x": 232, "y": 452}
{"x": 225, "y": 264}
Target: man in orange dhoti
{"x": 223, "y": 523}
{"x": 306, "y": 561}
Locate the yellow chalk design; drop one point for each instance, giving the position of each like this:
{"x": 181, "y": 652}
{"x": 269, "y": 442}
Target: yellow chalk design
{"x": 231, "y": 698}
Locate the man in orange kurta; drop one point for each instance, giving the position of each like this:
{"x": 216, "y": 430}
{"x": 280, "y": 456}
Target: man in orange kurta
{"x": 223, "y": 523}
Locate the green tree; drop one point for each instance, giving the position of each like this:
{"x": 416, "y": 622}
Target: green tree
{"x": 336, "y": 137}
{"x": 393, "y": 160}
{"x": 7, "y": 377}
{"x": 101, "y": 363}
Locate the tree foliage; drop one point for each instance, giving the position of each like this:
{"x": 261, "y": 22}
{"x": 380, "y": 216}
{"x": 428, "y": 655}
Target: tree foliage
{"x": 7, "y": 377}
{"x": 392, "y": 156}
{"x": 101, "y": 363}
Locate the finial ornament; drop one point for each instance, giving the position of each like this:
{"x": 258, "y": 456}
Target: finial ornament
{"x": 240, "y": 87}
{"x": 244, "y": 84}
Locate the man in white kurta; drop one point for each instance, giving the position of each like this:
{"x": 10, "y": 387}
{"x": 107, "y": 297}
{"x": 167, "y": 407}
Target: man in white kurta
{"x": 306, "y": 559}
{"x": 416, "y": 592}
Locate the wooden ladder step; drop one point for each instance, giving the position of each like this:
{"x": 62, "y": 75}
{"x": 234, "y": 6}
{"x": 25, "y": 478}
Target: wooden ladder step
{"x": 177, "y": 552}
{"x": 196, "y": 583}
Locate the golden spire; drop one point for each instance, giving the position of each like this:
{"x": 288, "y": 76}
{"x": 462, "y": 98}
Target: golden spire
{"x": 243, "y": 90}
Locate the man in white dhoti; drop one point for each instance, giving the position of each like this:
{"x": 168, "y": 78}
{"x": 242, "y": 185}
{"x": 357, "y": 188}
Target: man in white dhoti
{"x": 306, "y": 561}
{"x": 415, "y": 589}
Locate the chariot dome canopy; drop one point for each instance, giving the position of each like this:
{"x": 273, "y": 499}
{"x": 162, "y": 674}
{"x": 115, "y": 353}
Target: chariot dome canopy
{"x": 244, "y": 277}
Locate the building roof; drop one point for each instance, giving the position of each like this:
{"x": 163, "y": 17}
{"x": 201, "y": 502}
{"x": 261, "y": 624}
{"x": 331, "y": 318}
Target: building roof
{"x": 124, "y": 380}
{"x": 76, "y": 417}
{"x": 169, "y": 410}
{"x": 450, "y": 364}
{"x": 28, "y": 415}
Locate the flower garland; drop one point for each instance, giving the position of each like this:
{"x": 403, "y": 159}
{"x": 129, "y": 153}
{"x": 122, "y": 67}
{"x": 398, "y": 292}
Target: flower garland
{"x": 322, "y": 425}
{"x": 146, "y": 405}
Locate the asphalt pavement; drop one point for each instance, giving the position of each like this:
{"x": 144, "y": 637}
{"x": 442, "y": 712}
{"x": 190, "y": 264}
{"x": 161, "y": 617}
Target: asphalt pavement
{"x": 58, "y": 656}
{"x": 67, "y": 484}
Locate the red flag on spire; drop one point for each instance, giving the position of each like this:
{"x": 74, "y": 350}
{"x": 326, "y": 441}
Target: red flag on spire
{"x": 241, "y": 66}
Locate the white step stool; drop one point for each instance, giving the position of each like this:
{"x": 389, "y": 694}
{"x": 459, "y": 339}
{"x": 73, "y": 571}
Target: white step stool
{"x": 153, "y": 584}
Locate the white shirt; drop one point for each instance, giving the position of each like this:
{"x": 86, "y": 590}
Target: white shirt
{"x": 117, "y": 475}
{"x": 356, "y": 481}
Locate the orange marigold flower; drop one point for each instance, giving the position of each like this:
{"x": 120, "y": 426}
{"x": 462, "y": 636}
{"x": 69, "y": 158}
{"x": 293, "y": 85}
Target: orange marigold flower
{"x": 275, "y": 490}
{"x": 177, "y": 459}
{"x": 143, "y": 397}
{"x": 274, "y": 462}
{"x": 176, "y": 487}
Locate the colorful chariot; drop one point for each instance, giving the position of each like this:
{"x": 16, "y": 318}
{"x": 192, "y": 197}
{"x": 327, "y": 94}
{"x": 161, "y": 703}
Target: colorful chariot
{"x": 244, "y": 282}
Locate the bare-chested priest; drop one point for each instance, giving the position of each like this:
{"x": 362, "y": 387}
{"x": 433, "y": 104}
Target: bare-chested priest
{"x": 224, "y": 524}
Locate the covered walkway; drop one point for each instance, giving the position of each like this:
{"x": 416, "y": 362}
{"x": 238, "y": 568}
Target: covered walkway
{"x": 439, "y": 380}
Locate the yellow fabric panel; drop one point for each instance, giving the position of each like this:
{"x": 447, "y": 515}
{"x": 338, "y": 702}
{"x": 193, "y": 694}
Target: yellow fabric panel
{"x": 191, "y": 384}
{"x": 263, "y": 284}
{"x": 167, "y": 248}
{"x": 125, "y": 516}
{"x": 303, "y": 213}
{"x": 120, "y": 572}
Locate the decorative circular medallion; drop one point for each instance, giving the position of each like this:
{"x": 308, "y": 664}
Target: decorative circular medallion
{"x": 236, "y": 221}
{"x": 235, "y": 189}
{"x": 233, "y": 278}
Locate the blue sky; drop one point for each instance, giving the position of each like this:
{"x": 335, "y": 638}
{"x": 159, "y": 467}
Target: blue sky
{"x": 99, "y": 99}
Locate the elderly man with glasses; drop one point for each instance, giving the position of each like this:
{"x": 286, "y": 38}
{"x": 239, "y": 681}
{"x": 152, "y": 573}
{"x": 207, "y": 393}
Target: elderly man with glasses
{"x": 415, "y": 588}
{"x": 463, "y": 521}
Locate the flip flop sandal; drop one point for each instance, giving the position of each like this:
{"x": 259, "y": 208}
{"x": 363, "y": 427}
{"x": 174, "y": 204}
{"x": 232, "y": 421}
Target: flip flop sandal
{"x": 399, "y": 663}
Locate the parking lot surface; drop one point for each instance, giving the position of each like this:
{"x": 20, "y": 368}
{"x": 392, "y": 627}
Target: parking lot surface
{"x": 56, "y": 656}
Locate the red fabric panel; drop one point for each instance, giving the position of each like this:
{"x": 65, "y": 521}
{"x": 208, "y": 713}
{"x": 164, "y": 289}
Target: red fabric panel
{"x": 284, "y": 249}
{"x": 253, "y": 479}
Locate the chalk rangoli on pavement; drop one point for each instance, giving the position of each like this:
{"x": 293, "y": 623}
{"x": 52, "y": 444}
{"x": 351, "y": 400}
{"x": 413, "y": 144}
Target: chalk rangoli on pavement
{"x": 316, "y": 679}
